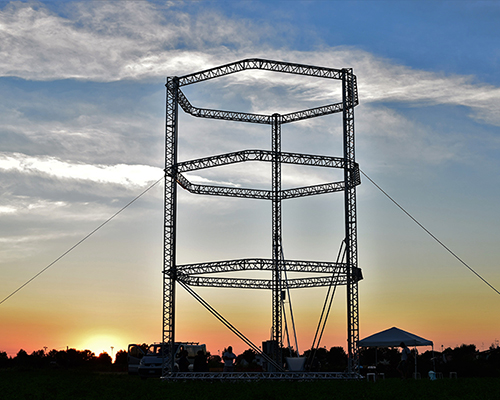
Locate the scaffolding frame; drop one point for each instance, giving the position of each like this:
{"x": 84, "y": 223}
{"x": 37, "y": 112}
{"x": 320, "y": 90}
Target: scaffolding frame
{"x": 194, "y": 274}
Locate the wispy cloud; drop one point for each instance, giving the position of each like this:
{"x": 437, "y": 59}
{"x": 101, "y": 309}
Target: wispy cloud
{"x": 107, "y": 41}
{"x": 122, "y": 174}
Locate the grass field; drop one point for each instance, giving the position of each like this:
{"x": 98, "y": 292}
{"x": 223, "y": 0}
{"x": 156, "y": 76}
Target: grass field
{"x": 62, "y": 384}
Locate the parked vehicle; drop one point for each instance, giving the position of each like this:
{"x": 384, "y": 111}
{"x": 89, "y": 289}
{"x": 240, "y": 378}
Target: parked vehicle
{"x": 151, "y": 364}
{"x": 135, "y": 353}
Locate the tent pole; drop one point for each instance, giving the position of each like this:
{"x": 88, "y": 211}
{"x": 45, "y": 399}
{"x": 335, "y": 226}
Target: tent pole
{"x": 415, "y": 361}
{"x": 433, "y": 358}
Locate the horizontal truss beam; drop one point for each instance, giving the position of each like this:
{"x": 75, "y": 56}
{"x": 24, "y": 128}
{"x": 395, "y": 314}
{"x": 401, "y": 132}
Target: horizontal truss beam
{"x": 256, "y": 118}
{"x": 255, "y": 376}
{"x": 259, "y": 194}
{"x": 220, "y": 114}
{"x": 260, "y": 264}
{"x": 267, "y": 284}
{"x": 189, "y": 273}
{"x": 312, "y": 113}
{"x": 260, "y": 155}
{"x": 266, "y": 65}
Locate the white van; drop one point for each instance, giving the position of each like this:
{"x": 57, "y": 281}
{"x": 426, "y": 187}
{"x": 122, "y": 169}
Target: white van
{"x": 135, "y": 353}
{"x": 151, "y": 363}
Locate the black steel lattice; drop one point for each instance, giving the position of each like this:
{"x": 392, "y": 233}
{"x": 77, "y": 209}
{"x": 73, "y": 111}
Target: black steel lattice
{"x": 346, "y": 273}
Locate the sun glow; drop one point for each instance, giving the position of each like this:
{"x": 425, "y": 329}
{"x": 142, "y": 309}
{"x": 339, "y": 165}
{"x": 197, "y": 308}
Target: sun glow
{"x": 102, "y": 343}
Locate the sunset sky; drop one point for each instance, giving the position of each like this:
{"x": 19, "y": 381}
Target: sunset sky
{"x": 82, "y": 114}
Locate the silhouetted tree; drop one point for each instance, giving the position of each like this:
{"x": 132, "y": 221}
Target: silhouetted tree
{"x": 76, "y": 358}
{"x": 492, "y": 358}
{"x": 52, "y": 354}
{"x": 462, "y": 360}
{"x": 58, "y": 358}
{"x": 316, "y": 359}
{"x": 38, "y": 359}
{"x": 386, "y": 359}
{"x": 429, "y": 361}
{"x": 246, "y": 361}
{"x": 4, "y": 360}
{"x": 22, "y": 359}
{"x": 248, "y": 356}
{"x": 215, "y": 361}
{"x": 288, "y": 352}
{"x": 104, "y": 360}
{"x": 87, "y": 355}
{"x": 336, "y": 359}
{"x": 466, "y": 352}
{"x": 121, "y": 357}
{"x": 71, "y": 358}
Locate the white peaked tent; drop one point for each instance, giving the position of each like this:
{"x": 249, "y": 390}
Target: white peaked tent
{"x": 393, "y": 337}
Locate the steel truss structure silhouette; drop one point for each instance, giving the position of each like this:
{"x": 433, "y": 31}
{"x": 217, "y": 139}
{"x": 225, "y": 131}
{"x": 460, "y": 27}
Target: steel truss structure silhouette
{"x": 347, "y": 272}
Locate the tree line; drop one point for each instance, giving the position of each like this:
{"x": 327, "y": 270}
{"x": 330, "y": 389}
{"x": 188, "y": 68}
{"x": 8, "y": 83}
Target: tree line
{"x": 465, "y": 360}
{"x": 69, "y": 358}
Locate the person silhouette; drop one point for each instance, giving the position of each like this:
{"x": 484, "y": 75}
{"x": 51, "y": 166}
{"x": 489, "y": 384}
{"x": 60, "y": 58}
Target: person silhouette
{"x": 228, "y": 357}
{"x": 200, "y": 362}
{"x": 183, "y": 361}
{"x": 403, "y": 364}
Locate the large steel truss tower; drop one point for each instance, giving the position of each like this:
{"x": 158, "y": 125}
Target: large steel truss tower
{"x": 347, "y": 272}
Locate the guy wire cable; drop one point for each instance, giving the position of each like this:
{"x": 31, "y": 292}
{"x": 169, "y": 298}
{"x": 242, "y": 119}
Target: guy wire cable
{"x": 430, "y": 234}
{"x": 329, "y": 296}
{"x": 81, "y": 241}
{"x": 228, "y": 325}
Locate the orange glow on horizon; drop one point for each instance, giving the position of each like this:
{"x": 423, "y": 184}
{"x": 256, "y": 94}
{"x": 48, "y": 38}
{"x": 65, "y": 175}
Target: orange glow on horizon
{"x": 102, "y": 343}
{"x": 30, "y": 327}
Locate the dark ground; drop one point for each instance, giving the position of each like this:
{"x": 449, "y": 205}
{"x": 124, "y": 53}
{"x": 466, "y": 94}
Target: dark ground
{"x": 40, "y": 384}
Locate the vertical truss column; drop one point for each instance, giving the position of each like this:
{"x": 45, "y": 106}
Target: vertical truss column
{"x": 170, "y": 204}
{"x": 277, "y": 245}
{"x": 348, "y": 98}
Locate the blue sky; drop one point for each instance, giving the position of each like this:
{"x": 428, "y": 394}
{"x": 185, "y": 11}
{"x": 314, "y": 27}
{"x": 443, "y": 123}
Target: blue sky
{"x": 415, "y": 33}
{"x": 82, "y": 130}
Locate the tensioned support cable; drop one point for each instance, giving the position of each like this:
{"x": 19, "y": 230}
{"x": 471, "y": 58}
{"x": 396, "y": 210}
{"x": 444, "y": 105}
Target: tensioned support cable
{"x": 325, "y": 312}
{"x": 289, "y": 305}
{"x": 81, "y": 240}
{"x": 230, "y": 326}
{"x": 285, "y": 333}
{"x": 430, "y": 234}
{"x": 331, "y": 294}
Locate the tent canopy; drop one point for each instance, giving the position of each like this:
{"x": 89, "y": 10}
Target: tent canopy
{"x": 392, "y": 338}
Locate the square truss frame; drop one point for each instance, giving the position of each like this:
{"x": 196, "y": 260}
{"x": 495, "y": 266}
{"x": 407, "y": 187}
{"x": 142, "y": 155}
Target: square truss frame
{"x": 347, "y": 273}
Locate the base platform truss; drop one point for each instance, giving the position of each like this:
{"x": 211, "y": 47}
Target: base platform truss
{"x": 258, "y": 376}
